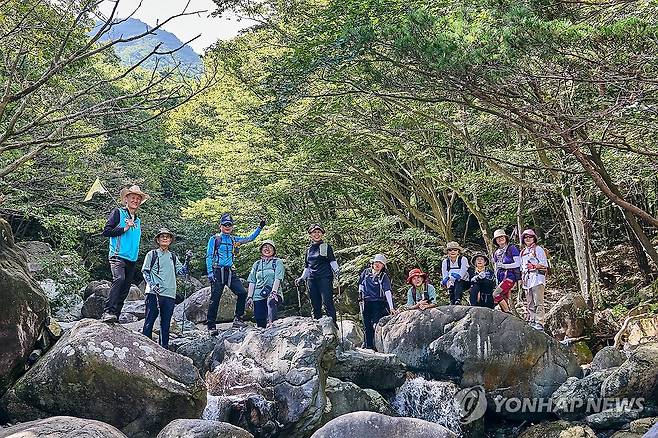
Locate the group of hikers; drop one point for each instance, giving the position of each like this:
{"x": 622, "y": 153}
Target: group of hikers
{"x": 487, "y": 281}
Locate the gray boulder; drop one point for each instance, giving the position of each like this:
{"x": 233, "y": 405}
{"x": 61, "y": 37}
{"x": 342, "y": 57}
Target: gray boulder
{"x": 571, "y": 398}
{"x": 38, "y": 254}
{"x": 612, "y": 418}
{"x": 96, "y": 293}
{"x": 367, "y": 424}
{"x": 558, "y": 429}
{"x": 369, "y": 369}
{"x": 196, "y": 306}
{"x": 198, "y": 346}
{"x": 272, "y": 379}
{"x": 108, "y": 373}
{"x": 135, "y": 308}
{"x": 636, "y": 377}
{"x": 202, "y": 429}
{"x": 568, "y": 318}
{"x": 607, "y": 357}
{"x": 346, "y": 397}
{"x": 478, "y": 346}
{"x": 351, "y": 334}
{"x": 23, "y": 312}
{"x": 62, "y": 427}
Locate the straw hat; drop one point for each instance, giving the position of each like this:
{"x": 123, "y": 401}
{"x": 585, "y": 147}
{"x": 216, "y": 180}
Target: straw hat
{"x": 453, "y": 245}
{"x": 134, "y": 189}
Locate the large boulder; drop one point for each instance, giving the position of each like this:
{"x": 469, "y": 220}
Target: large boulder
{"x": 111, "y": 374}
{"x": 202, "y": 429}
{"x": 558, "y": 429}
{"x": 366, "y": 424}
{"x": 575, "y": 398}
{"x": 636, "y": 377}
{"x": 272, "y": 379}
{"x": 346, "y": 397}
{"x": 478, "y": 346}
{"x": 62, "y": 427}
{"x": 607, "y": 357}
{"x": 23, "y": 311}
{"x": 38, "y": 254}
{"x": 569, "y": 317}
{"x": 369, "y": 369}
{"x": 196, "y": 306}
{"x": 96, "y": 293}
{"x": 351, "y": 334}
{"x": 614, "y": 418}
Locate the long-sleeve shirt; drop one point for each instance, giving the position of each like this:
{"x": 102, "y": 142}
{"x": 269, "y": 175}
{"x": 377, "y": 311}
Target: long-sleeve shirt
{"x": 375, "y": 287}
{"x": 535, "y": 255}
{"x": 221, "y": 247}
{"x": 459, "y": 266}
{"x": 162, "y": 272}
{"x": 124, "y": 244}
{"x": 416, "y": 295}
{"x": 264, "y": 275}
{"x": 511, "y": 262}
{"x": 320, "y": 263}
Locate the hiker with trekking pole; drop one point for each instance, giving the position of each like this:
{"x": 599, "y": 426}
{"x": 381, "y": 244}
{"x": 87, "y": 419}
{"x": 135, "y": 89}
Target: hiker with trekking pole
{"x": 222, "y": 249}
{"x": 124, "y": 228}
{"x": 507, "y": 262}
{"x": 160, "y": 268}
{"x": 375, "y": 297}
{"x": 534, "y": 268}
{"x": 265, "y": 280}
{"x": 320, "y": 269}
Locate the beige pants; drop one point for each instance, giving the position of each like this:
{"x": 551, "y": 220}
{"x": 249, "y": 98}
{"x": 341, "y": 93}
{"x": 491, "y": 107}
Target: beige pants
{"x": 535, "y": 303}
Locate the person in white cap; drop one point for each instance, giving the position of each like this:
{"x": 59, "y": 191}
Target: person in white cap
{"x": 534, "y": 265}
{"x": 375, "y": 297}
{"x": 124, "y": 228}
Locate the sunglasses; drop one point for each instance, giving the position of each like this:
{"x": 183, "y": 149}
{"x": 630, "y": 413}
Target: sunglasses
{"x": 454, "y": 249}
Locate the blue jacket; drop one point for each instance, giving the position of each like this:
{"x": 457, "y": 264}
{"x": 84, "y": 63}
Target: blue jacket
{"x": 124, "y": 244}
{"x": 221, "y": 249}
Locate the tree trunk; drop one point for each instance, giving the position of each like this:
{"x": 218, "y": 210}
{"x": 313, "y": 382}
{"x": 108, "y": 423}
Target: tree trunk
{"x": 640, "y": 256}
{"x": 585, "y": 264}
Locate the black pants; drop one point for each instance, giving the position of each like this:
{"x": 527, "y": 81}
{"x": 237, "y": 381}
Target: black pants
{"x": 167, "y": 305}
{"x": 225, "y": 277}
{"x": 123, "y": 272}
{"x": 373, "y": 311}
{"x": 486, "y": 296}
{"x": 321, "y": 291}
{"x": 456, "y": 291}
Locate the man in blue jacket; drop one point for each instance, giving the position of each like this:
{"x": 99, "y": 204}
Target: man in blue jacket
{"x": 220, "y": 254}
{"x": 124, "y": 228}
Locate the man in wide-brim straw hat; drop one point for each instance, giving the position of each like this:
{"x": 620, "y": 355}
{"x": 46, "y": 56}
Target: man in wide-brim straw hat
{"x": 124, "y": 228}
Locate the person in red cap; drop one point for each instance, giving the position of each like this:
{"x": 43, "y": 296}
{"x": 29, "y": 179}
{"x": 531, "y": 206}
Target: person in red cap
{"x": 421, "y": 294}
{"x": 534, "y": 265}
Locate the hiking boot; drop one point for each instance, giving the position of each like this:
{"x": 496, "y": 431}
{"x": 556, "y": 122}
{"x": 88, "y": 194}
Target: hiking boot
{"x": 212, "y": 331}
{"x": 238, "y": 322}
{"x": 109, "y": 318}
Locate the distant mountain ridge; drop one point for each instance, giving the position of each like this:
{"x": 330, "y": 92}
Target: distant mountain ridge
{"x": 131, "y": 52}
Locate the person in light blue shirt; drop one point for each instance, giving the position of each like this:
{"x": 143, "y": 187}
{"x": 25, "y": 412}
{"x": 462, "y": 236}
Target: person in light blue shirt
{"x": 220, "y": 255}
{"x": 265, "y": 294}
{"x": 124, "y": 228}
{"x": 421, "y": 294}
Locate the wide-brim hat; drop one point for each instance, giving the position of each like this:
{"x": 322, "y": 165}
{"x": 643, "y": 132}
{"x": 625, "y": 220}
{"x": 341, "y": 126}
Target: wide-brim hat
{"x": 484, "y": 256}
{"x": 314, "y": 227}
{"x": 379, "y": 258}
{"x": 499, "y": 233}
{"x": 453, "y": 245}
{"x": 267, "y": 242}
{"x": 162, "y": 231}
{"x": 134, "y": 189}
{"x": 416, "y": 272}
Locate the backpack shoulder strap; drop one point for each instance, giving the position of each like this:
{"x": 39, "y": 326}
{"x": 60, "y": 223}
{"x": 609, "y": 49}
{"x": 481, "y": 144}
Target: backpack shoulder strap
{"x": 324, "y": 249}
{"x": 173, "y": 260}
{"x": 154, "y": 259}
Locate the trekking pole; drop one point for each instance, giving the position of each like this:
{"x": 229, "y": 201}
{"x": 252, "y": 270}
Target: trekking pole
{"x": 188, "y": 257}
{"x": 340, "y": 315}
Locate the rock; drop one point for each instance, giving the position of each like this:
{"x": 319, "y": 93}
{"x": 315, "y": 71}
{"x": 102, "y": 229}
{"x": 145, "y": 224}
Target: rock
{"x": 351, "y": 334}
{"x": 198, "y": 346}
{"x": 605, "y": 325}
{"x": 23, "y": 311}
{"x": 196, "y": 306}
{"x": 582, "y": 352}
{"x": 137, "y": 308}
{"x": 346, "y": 397}
{"x": 478, "y": 346}
{"x": 38, "y": 254}
{"x": 369, "y": 369}
{"x": 607, "y": 357}
{"x": 363, "y": 424}
{"x": 202, "y": 429}
{"x": 636, "y": 377}
{"x": 612, "y": 418}
{"x": 568, "y": 318}
{"x": 642, "y": 425}
{"x": 62, "y": 427}
{"x": 379, "y": 403}
{"x": 626, "y": 434}
{"x": 642, "y": 331}
{"x": 111, "y": 374}
{"x": 558, "y": 429}
{"x": 571, "y": 398}
{"x": 272, "y": 379}
{"x": 96, "y": 294}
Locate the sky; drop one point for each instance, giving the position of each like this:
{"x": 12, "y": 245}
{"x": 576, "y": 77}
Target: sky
{"x": 185, "y": 28}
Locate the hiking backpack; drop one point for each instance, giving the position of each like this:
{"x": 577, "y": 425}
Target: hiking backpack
{"x": 155, "y": 259}
{"x": 235, "y": 251}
